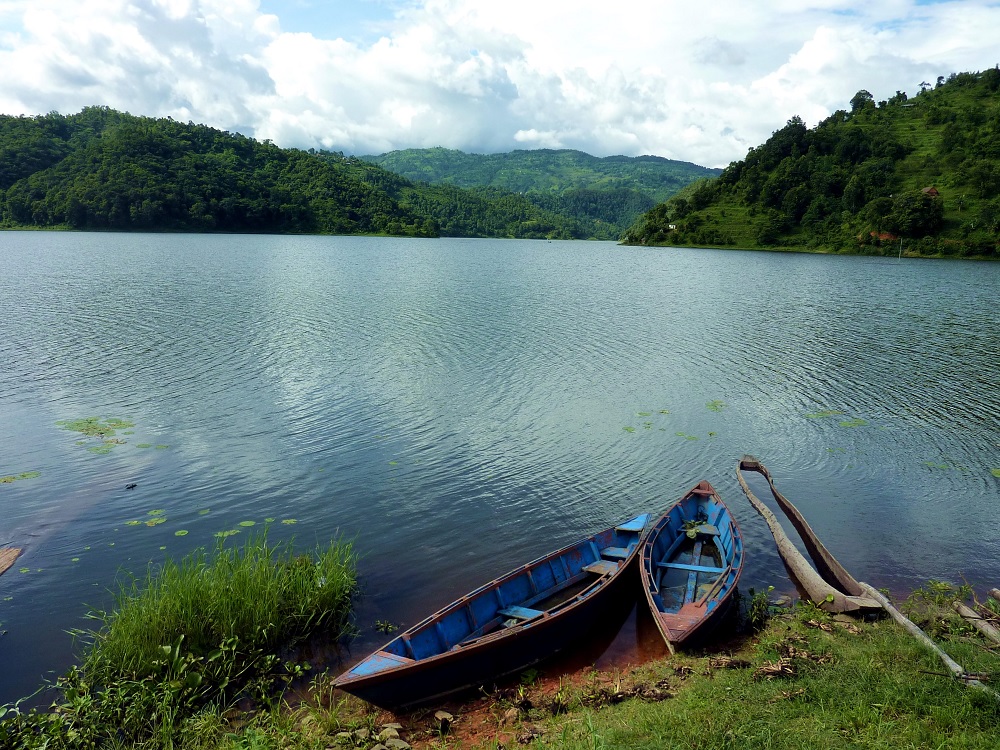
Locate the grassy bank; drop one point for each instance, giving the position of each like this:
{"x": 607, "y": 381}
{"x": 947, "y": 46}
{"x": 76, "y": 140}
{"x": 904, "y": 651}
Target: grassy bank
{"x": 805, "y": 680}
{"x": 193, "y": 638}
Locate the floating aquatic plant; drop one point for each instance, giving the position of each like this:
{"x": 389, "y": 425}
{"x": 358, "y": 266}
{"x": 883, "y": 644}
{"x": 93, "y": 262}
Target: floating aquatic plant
{"x": 204, "y": 511}
{"x": 75, "y": 559}
{"x": 715, "y": 405}
{"x": 664, "y": 411}
{"x": 157, "y": 512}
{"x": 95, "y": 426}
{"x": 268, "y": 520}
{"x": 995, "y": 472}
{"x": 133, "y": 523}
{"x": 24, "y": 475}
{"x": 823, "y": 414}
{"x": 227, "y": 533}
{"x": 853, "y": 423}
{"x": 156, "y": 521}
{"x": 643, "y": 414}
{"x": 161, "y": 447}
{"x": 25, "y": 570}
{"x": 248, "y": 523}
{"x": 289, "y": 521}
{"x": 629, "y": 429}
{"x": 181, "y": 532}
{"x": 143, "y": 445}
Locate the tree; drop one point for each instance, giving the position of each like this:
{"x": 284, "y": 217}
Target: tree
{"x": 862, "y": 100}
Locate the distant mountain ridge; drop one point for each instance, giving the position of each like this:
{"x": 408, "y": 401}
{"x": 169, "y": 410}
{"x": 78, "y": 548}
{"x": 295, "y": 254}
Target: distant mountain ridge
{"x": 604, "y": 194}
{"x": 556, "y": 171}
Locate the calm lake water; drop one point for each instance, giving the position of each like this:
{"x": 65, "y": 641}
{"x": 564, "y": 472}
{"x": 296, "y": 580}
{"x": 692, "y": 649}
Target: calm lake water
{"x": 458, "y": 407}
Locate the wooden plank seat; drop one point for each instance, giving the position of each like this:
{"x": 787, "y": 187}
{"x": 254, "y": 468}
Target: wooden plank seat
{"x": 614, "y": 553}
{"x": 520, "y": 613}
{"x": 694, "y": 568}
{"x": 601, "y": 567}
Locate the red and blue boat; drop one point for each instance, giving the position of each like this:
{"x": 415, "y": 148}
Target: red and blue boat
{"x": 690, "y": 563}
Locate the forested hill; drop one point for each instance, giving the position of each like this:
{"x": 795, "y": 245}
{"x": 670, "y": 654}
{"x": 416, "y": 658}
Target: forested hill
{"x": 921, "y": 175}
{"x": 103, "y": 169}
{"x": 612, "y": 192}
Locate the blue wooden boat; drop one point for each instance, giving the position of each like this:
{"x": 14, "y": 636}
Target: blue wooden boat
{"x": 690, "y": 563}
{"x": 511, "y": 623}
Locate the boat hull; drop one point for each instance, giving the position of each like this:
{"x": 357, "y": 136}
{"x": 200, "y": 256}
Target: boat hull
{"x": 586, "y": 588}
{"x": 690, "y": 564}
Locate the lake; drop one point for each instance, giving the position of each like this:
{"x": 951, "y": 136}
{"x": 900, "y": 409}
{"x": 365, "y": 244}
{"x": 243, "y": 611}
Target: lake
{"x": 459, "y": 407}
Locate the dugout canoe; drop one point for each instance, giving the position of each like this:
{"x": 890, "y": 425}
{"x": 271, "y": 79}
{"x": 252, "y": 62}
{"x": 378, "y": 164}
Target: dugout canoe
{"x": 506, "y": 625}
{"x": 690, "y": 563}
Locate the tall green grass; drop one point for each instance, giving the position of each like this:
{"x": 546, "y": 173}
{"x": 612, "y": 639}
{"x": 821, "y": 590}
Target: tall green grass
{"x": 257, "y": 597}
{"x": 192, "y": 637}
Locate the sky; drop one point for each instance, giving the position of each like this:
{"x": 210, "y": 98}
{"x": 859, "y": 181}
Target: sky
{"x": 696, "y": 81}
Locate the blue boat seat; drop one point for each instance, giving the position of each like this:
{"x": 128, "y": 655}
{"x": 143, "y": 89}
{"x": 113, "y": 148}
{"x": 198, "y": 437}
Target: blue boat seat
{"x": 636, "y": 524}
{"x": 615, "y": 553}
{"x": 520, "y": 613}
{"x": 601, "y": 567}
{"x": 694, "y": 568}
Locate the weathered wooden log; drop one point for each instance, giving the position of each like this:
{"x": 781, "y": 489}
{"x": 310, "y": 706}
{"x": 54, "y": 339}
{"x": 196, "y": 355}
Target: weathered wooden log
{"x": 956, "y": 669}
{"x": 826, "y": 564}
{"x": 819, "y": 590}
{"x": 977, "y": 621}
{"x": 995, "y": 593}
{"x": 7, "y": 557}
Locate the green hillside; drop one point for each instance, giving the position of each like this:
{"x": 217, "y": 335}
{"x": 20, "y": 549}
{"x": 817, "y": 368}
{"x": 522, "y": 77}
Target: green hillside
{"x": 920, "y": 175}
{"x": 107, "y": 170}
{"x": 606, "y": 195}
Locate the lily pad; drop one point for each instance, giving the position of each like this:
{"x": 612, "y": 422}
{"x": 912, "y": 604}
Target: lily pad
{"x": 643, "y": 414}
{"x": 995, "y": 472}
{"x": 204, "y": 511}
{"x": 133, "y": 523}
{"x": 156, "y": 521}
{"x": 158, "y": 512}
{"x": 629, "y": 429}
{"x": 268, "y": 520}
{"x": 181, "y": 532}
{"x": 143, "y": 445}
{"x": 75, "y": 559}
{"x": 715, "y": 405}
{"x": 289, "y": 521}
{"x": 161, "y": 447}
{"x": 25, "y": 570}
{"x": 853, "y": 423}
{"x": 248, "y": 523}
{"x": 664, "y": 411}
{"x": 227, "y": 533}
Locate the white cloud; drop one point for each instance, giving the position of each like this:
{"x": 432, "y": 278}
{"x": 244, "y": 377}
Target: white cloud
{"x": 698, "y": 82}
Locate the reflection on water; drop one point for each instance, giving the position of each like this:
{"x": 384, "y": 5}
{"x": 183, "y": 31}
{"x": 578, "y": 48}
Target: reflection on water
{"x": 458, "y": 407}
